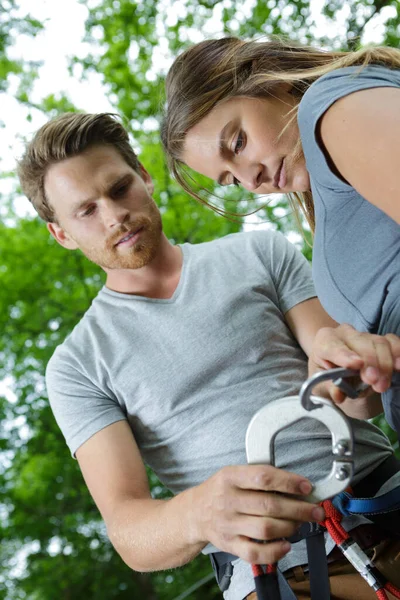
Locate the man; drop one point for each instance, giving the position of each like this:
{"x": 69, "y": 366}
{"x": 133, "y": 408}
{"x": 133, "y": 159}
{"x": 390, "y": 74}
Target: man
{"x": 177, "y": 352}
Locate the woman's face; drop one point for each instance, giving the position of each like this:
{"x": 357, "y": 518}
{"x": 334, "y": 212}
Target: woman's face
{"x": 240, "y": 142}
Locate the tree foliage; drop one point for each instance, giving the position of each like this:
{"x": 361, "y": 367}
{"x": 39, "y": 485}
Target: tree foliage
{"x": 53, "y": 542}
{"x": 13, "y": 24}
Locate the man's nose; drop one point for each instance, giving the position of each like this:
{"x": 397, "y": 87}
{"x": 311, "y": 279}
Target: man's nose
{"x": 114, "y": 213}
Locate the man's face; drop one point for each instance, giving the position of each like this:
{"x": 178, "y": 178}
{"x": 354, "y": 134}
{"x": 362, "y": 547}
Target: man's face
{"x": 104, "y": 208}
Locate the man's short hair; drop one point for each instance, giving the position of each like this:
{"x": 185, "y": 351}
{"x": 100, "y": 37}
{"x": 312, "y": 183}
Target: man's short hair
{"x": 64, "y": 137}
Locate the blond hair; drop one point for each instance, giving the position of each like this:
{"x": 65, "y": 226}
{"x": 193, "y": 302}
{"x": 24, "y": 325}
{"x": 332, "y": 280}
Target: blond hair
{"x": 213, "y": 71}
{"x": 66, "y": 136}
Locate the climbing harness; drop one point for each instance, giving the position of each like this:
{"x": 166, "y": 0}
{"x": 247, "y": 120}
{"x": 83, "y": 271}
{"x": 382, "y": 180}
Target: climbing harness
{"x": 354, "y": 554}
{"x": 264, "y": 427}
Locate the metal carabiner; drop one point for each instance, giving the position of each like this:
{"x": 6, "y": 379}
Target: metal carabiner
{"x": 338, "y": 376}
{"x": 280, "y": 414}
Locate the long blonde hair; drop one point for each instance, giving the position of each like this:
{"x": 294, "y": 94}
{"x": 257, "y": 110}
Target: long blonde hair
{"x": 213, "y": 71}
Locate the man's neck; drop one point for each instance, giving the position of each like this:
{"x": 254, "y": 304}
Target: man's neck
{"x": 158, "y": 279}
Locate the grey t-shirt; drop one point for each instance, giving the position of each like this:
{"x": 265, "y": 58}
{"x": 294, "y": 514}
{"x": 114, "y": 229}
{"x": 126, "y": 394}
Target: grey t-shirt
{"x": 188, "y": 373}
{"x": 356, "y": 258}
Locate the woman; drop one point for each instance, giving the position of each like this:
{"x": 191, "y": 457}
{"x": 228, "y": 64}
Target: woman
{"x": 322, "y": 127}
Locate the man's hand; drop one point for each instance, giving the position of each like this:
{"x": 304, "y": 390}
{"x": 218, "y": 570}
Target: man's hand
{"x": 374, "y": 356}
{"x": 242, "y": 504}
{"x": 231, "y": 509}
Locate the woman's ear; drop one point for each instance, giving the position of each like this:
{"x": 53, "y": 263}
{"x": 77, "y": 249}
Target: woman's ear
{"x": 61, "y": 236}
{"x": 286, "y": 87}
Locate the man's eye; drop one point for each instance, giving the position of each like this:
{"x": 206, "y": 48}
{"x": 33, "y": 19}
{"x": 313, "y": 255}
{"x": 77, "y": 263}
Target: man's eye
{"x": 89, "y": 211}
{"x": 239, "y": 142}
{"x": 121, "y": 190}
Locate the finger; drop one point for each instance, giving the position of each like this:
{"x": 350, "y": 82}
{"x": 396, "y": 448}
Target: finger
{"x": 376, "y": 350}
{"x": 324, "y": 364}
{"x": 260, "y": 554}
{"x": 332, "y": 345}
{"x": 381, "y": 375}
{"x": 268, "y": 478}
{"x": 336, "y": 394}
{"x": 263, "y": 528}
{"x": 394, "y": 341}
{"x": 277, "y": 506}
{"x": 363, "y": 344}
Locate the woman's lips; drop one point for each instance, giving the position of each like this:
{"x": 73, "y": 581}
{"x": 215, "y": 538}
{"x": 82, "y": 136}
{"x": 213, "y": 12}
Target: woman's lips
{"x": 280, "y": 176}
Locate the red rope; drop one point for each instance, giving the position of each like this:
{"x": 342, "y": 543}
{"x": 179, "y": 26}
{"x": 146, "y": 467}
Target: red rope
{"x": 392, "y": 589}
{"x": 332, "y": 523}
{"x": 257, "y": 570}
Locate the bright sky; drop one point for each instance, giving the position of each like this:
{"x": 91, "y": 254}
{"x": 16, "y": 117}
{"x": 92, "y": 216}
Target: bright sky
{"x": 61, "y": 38}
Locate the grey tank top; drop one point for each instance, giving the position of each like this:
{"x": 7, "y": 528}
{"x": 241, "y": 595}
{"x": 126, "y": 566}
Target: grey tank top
{"x": 356, "y": 255}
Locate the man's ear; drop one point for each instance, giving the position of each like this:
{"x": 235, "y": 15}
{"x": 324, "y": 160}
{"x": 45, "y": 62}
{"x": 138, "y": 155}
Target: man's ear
{"x": 61, "y": 236}
{"x": 145, "y": 175}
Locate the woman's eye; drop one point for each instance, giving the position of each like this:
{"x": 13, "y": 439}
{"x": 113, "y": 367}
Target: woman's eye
{"x": 236, "y": 181}
{"x": 239, "y": 142}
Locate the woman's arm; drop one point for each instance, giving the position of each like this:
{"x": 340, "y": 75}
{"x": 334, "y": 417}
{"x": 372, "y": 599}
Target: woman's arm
{"x": 360, "y": 134}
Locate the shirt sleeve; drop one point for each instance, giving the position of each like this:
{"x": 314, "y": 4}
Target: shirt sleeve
{"x": 80, "y": 408}
{"x": 290, "y": 270}
{"x": 318, "y": 98}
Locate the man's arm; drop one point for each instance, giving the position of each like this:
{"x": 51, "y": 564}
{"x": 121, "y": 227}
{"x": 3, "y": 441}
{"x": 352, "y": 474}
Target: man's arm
{"x": 329, "y": 345}
{"x": 230, "y": 509}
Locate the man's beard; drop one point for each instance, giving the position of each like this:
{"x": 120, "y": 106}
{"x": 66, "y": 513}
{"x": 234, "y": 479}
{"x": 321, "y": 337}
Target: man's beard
{"x": 135, "y": 257}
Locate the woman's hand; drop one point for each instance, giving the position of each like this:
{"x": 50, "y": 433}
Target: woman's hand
{"x": 376, "y": 357}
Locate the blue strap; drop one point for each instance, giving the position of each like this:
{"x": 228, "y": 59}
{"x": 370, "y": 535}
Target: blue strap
{"x": 348, "y": 505}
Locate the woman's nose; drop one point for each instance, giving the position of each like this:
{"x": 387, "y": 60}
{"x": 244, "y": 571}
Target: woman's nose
{"x": 250, "y": 177}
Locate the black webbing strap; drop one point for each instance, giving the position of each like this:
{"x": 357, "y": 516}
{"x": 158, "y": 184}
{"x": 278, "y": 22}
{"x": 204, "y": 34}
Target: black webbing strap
{"x": 273, "y": 586}
{"x": 318, "y": 567}
{"x": 276, "y": 587}
{"x": 267, "y": 587}
{"x": 313, "y": 533}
